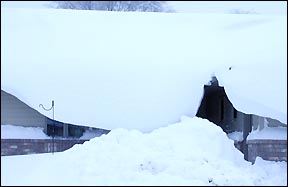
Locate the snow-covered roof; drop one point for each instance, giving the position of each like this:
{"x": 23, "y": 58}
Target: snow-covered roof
{"x": 142, "y": 70}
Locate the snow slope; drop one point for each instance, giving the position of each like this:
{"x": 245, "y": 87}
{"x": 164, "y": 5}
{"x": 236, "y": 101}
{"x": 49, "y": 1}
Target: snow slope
{"x": 141, "y": 70}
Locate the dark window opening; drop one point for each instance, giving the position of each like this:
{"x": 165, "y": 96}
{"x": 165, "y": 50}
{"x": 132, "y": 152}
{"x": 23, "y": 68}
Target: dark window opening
{"x": 53, "y": 130}
{"x": 74, "y": 131}
{"x": 222, "y": 109}
{"x": 57, "y": 128}
{"x": 235, "y": 113}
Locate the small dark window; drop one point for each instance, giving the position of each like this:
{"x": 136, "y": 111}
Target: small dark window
{"x": 54, "y": 130}
{"x": 222, "y": 109}
{"x": 235, "y": 113}
{"x": 75, "y": 131}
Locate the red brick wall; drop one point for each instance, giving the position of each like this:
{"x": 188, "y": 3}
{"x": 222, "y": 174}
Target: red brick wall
{"x": 34, "y": 146}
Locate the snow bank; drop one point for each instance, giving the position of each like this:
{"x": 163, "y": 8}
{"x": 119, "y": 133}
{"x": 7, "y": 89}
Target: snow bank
{"x": 141, "y": 70}
{"x": 191, "y": 152}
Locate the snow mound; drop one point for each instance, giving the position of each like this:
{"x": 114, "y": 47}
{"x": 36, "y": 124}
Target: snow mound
{"x": 191, "y": 152}
{"x": 195, "y": 134}
{"x": 175, "y": 150}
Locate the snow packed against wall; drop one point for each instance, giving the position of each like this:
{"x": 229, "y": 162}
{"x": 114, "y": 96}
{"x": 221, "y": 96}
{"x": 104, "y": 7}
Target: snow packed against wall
{"x": 142, "y": 70}
{"x": 20, "y": 132}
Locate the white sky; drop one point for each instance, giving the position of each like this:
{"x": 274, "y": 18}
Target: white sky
{"x": 179, "y": 154}
{"x": 24, "y": 4}
{"x": 260, "y": 7}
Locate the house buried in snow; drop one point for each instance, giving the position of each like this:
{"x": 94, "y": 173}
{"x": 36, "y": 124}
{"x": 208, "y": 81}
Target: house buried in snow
{"x": 15, "y": 112}
{"x": 145, "y": 70}
{"x": 216, "y": 107}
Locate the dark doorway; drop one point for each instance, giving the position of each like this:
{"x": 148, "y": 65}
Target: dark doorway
{"x": 216, "y": 107}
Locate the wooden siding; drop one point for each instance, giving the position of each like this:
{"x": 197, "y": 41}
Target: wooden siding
{"x": 16, "y": 112}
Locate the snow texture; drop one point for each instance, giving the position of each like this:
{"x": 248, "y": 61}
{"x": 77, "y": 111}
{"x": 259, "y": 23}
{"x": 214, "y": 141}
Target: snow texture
{"x": 138, "y": 70}
{"x": 191, "y": 152}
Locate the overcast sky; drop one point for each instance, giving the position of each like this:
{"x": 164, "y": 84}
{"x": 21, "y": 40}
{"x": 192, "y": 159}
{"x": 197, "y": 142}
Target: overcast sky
{"x": 260, "y": 7}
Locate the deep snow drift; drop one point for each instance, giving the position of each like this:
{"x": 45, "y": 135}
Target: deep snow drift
{"x": 191, "y": 152}
{"x": 143, "y": 69}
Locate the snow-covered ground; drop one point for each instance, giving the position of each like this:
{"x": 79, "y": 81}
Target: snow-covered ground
{"x": 191, "y": 152}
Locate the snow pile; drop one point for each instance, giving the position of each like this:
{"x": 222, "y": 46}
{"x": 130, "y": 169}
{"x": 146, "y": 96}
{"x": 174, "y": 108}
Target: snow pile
{"x": 144, "y": 69}
{"x": 191, "y": 152}
{"x": 19, "y": 132}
